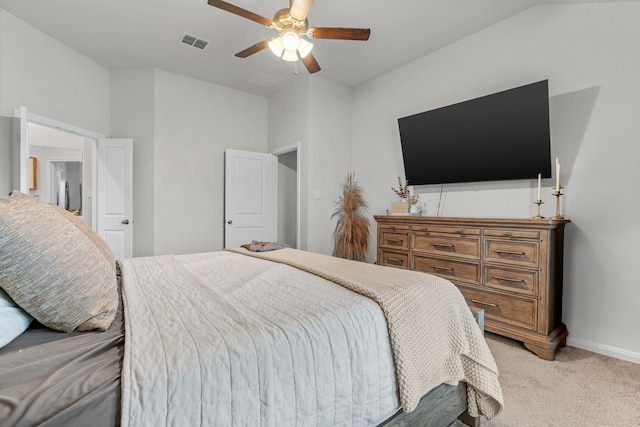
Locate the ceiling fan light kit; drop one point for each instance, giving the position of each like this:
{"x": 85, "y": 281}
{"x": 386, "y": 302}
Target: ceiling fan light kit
{"x": 276, "y": 46}
{"x": 304, "y": 48}
{"x": 291, "y": 25}
{"x": 290, "y": 40}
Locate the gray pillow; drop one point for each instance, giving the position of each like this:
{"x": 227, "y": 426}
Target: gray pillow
{"x": 52, "y": 269}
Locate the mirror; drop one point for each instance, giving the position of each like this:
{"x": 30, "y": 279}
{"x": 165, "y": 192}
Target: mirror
{"x": 66, "y": 188}
{"x": 58, "y": 171}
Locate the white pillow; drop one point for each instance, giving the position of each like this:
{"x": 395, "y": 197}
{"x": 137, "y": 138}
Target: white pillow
{"x": 13, "y": 319}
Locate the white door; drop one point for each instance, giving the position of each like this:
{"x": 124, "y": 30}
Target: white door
{"x": 250, "y": 197}
{"x": 115, "y": 190}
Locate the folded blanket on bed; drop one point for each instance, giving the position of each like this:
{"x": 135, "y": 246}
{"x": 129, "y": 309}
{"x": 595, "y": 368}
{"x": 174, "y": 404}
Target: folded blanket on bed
{"x": 256, "y": 246}
{"x": 433, "y": 334}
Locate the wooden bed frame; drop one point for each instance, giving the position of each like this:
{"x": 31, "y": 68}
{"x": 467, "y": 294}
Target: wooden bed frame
{"x": 438, "y": 408}
{"x": 442, "y": 405}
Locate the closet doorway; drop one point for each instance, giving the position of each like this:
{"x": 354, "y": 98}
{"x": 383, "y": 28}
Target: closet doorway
{"x": 262, "y": 196}
{"x": 289, "y": 194}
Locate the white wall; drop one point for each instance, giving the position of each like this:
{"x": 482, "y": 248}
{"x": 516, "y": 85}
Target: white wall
{"x": 195, "y": 122}
{"x": 317, "y": 113}
{"x": 589, "y": 53}
{"x": 133, "y": 116}
{"x": 5, "y": 127}
{"x": 288, "y": 118}
{"x": 50, "y": 79}
{"x": 329, "y": 157}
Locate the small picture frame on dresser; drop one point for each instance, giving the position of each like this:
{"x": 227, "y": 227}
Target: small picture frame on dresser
{"x": 399, "y": 208}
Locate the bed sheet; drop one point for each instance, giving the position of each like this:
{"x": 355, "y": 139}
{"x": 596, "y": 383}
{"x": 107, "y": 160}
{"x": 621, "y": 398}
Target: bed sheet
{"x": 53, "y": 378}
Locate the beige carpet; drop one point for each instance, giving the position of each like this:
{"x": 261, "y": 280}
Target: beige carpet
{"x": 579, "y": 388}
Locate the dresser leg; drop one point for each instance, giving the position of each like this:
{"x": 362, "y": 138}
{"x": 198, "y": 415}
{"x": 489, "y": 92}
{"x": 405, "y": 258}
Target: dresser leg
{"x": 563, "y": 342}
{"x": 543, "y": 352}
{"x": 547, "y": 349}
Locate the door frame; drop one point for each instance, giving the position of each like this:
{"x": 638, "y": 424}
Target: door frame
{"x": 23, "y": 114}
{"x": 296, "y": 146}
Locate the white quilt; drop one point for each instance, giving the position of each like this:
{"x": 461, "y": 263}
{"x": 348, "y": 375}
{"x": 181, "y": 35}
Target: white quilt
{"x": 207, "y": 334}
{"x": 433, "y": 335}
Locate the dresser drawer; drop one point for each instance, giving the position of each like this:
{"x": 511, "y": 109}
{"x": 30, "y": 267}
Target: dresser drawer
{"x": 447, "y": 244}
{"x": 521, "y": 234}
{"x": 509, "y": 309}
{"x": 459, "y": 271}
{"x": 467, "y": 231}
{"x": 511, "y": 279}
{"x": 394, "y": 259}
{"x": 517, "y": 252}
{"x": 394, "y": 227}
{"x": 396, "y": 240}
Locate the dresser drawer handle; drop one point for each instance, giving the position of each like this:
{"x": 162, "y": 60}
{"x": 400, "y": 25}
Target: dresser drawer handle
{"x": 395, "y": 261}
{"x": 438, "y": 267}
{"x": 396, "y": 242}
{"x": 508, "y": 279}
{"x": 488, "y": 304}
{"x": 442, "y": 246}
{"x": 507, "y": 234}
{"x": 503, "y": 252}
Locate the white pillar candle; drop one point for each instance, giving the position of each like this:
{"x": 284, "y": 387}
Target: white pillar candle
{"x": 557, "y": 174}
{"x": 539, "y": 178}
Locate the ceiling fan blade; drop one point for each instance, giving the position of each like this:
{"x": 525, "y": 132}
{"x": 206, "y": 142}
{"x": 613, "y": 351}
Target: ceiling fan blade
{"x": 253, "y": 49}
{"x": 241, "y": 12}
{"x": 310, "y": 62}
{"x": 339, "y": 33}
{"x": 300, "y": 9}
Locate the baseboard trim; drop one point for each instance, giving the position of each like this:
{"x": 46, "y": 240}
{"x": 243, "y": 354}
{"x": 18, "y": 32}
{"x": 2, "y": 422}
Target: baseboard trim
{"x": 604, "y": 349}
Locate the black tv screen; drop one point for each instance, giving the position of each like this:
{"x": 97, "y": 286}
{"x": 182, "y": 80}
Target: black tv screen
{"x": 502, "y": 136}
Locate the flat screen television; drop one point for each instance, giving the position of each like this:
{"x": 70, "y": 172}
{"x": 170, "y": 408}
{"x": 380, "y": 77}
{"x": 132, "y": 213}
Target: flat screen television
{"x": 501, "y": 136}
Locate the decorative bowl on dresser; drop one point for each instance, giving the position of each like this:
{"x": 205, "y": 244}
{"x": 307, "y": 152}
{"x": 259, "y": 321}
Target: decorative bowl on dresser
{"x": 511, "y": 268}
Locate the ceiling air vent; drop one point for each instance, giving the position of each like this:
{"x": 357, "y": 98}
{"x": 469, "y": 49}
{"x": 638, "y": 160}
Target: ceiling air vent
{"x": 194, "y": 41}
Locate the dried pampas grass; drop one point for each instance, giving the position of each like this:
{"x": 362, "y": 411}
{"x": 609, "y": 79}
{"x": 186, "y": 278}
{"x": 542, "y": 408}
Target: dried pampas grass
{"x": 351, "y": 235}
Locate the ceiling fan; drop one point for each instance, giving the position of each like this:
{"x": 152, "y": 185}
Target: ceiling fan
{"x": 291, "y": 25}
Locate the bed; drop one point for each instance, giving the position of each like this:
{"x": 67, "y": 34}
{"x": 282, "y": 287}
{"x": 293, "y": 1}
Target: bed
{"x": 228, "y": 338}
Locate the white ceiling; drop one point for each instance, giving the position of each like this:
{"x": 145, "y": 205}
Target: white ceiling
{"x": 148, "y": 33}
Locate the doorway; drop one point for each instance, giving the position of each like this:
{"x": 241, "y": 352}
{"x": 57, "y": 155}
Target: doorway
{"x": 289, "y": 194}
{"x": 62, "y": 169}
{"x": 42, "y": 145}
{"x": 262, "y": 196}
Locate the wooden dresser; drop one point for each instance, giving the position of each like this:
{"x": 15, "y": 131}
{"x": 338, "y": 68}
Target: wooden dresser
{"x": 511, "y": 268}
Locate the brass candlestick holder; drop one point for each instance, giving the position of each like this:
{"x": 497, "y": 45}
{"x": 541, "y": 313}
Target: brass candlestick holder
{"x": 557, "y": 193}
{"x": 538, "y": 202}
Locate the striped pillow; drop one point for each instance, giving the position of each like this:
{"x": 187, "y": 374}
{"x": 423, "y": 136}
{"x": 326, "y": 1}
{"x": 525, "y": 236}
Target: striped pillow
{"x": 52, "y": 269}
